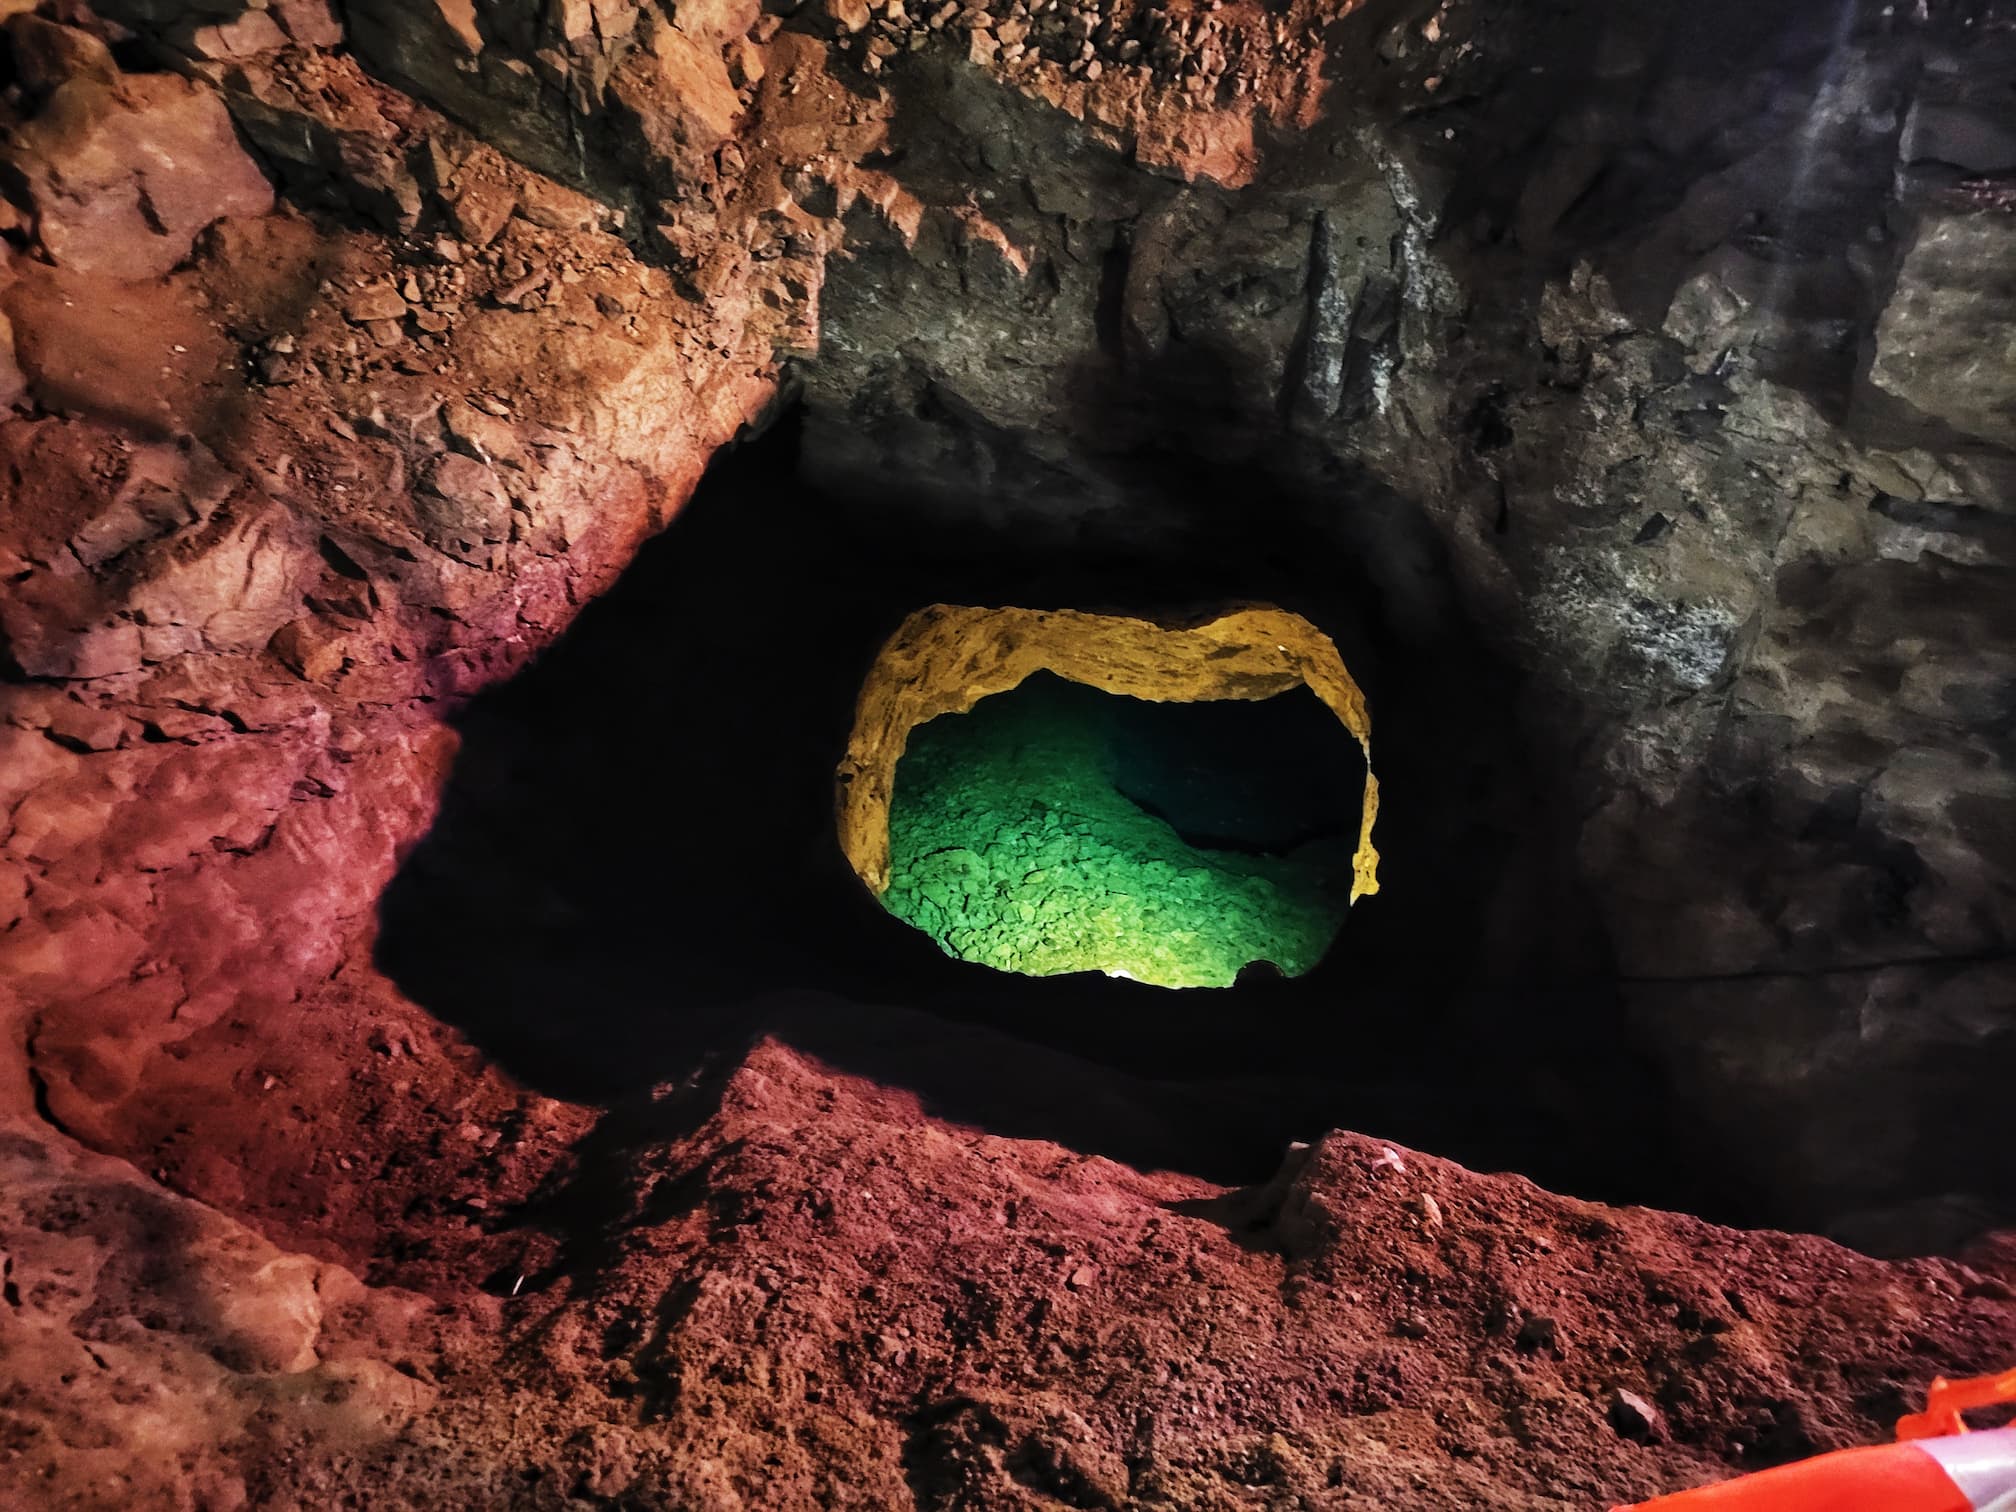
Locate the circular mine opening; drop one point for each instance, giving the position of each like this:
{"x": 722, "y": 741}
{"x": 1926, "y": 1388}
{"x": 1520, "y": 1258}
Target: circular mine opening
{"x": 1055, "y": 792}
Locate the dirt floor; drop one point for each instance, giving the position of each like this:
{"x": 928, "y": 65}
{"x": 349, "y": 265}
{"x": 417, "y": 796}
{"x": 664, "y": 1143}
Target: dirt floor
{"x": 780, "y": 1286}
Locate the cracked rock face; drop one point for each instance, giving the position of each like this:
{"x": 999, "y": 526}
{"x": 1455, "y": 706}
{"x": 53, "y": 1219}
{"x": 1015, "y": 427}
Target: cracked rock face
{"x": 1642, "y": 379}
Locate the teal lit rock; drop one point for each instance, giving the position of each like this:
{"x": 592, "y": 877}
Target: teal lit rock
{"x": 1013, "y": 844}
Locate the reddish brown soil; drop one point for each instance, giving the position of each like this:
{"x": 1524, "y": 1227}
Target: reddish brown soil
{"x": 786, "y": 1287}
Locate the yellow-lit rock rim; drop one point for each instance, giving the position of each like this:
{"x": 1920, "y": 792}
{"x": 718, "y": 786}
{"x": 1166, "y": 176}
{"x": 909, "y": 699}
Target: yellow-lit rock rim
{"x": 946, "y": 658}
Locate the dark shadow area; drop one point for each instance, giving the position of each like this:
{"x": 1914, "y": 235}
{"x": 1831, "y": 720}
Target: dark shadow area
{"x": 634, "y": 873}
{"x": 1263, "y": 778}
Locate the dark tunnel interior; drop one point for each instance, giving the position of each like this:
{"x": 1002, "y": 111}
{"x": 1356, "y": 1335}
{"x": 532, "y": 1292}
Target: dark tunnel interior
{"x": 634, "y": 871}
{"x": 1268, "y": 777}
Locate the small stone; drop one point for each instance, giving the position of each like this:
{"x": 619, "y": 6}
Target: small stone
{"x": 519, "y": 293}
{"x": 1413, "y": 1326}
{"x": 479, "y": 211}
{"x": 1635, "y": 1418}
{"x": 1536, "y": 1333}
{"x": 251, "y": 34}
{"x": 555, "y": 207}
{"x": 374, "y": 302}
{"x": 481, "y": 436}
{"x": 312, "y": 23}
{"x": 308, "y": 649}
{"x": 462, "y": 507}
{"x": 86, "y": 728}
{"x": 1082, "y": 1277}
{"x": 1655, "y": 526}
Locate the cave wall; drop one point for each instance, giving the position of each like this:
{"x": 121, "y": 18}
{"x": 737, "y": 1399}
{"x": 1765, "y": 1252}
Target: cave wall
{"x": 1665, "y": 351}
{"x": 1674, "y": 384}
{"x": 1639, "y": 373}
{"x": 273, "y": 511}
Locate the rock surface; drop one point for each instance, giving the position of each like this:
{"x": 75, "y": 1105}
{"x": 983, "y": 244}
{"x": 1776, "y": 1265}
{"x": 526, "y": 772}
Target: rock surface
{"x": 122, "y": 172}
{"x": 1014, "y": 842}
{"x": 733, "y": 1316}
{"x": 1665, "y": 384}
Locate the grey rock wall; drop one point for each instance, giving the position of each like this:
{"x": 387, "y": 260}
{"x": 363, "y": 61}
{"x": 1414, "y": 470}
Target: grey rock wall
{"x": 1691, "y": 349}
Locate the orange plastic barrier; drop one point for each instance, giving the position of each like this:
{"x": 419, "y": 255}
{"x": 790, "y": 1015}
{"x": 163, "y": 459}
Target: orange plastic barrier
{"x": 1938, "y": 1467}
{"x": 1886, "y": 1478}
{"x": 1948, "y": 1399}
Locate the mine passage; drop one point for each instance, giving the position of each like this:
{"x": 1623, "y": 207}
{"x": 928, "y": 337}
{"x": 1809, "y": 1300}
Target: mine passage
{"x": 1057, "y": 828}
{"x": 1047, "y": 792}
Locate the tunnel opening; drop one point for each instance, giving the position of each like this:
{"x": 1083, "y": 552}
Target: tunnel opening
{"x": 633, "y": 871}
{"x": 1057, "y": 828}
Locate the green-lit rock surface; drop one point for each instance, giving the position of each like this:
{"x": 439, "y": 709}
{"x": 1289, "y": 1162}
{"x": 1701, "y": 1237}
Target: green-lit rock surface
{"x": 1011, "y": 846}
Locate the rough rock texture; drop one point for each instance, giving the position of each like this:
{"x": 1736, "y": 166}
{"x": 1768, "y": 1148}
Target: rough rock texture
{"x": 1688, "y": 390}
{"x": 1675, "y": 379}
{"x": 1936, "y": 345}
{"x": 1373, "y": 1325}
{"x": 760, "y": 1313}
{"x": 119, "y": 172}
{"x": 946, "y": 658}
{"x": 1015, "y": 842}
{"x": 154, "y": 1349}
